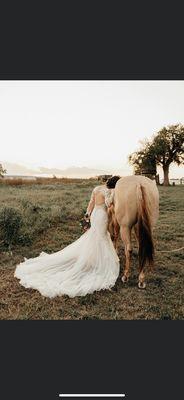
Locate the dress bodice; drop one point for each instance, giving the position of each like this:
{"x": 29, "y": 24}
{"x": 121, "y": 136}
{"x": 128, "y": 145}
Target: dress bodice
{"x": 108, "y": 195}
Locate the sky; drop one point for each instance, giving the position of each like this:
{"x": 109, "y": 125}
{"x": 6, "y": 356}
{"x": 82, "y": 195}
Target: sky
{"x": 96, "y": 124}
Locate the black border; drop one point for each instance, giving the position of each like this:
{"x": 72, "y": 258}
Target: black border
{"x": 143, "y": 359}
{"x": 103, "y": 41}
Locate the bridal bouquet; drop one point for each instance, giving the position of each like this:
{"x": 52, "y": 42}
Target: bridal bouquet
{"x": 85, "y": 223}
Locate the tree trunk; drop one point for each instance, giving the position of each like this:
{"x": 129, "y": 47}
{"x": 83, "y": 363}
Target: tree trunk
{"x": 166, "y": 175}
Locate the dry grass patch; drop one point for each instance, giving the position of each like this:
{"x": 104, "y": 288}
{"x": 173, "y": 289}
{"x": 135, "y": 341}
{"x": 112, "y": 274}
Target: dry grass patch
{"x": 50, "y": 220}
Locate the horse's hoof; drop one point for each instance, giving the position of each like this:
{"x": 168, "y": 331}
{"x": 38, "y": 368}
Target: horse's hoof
{"x": 141, "y": 285}
{"x": 124, "y": 278}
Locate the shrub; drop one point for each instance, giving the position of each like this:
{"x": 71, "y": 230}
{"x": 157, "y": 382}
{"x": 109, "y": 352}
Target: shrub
{"x": 25, "y": 237}
{"x": 10, "y": 224}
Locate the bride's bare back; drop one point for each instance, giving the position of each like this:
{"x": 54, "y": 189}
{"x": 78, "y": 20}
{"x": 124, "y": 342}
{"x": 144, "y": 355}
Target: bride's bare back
{"x": 100, "y": 195}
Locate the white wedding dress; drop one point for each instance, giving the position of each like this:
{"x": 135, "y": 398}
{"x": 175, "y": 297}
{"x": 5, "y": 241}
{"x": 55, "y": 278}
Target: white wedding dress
{"x": 88, "y": 264}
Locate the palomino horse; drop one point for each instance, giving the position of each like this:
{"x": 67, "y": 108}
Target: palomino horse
{"x": 136, "y": 205}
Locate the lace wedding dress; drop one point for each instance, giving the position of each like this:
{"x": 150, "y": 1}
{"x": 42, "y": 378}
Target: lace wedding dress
{"x": 88, "y": 264}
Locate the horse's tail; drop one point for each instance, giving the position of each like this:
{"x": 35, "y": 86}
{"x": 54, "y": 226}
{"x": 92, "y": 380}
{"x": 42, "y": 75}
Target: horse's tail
{"x": 146, "y": 246}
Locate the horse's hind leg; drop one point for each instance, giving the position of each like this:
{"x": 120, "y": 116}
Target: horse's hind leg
{"x": 141, "y": 282}
{"x": 136, "y": 234}
{"x": 126, "y": 237}
{"x": 141, "y": 279}
{"x": 116, "y": 234}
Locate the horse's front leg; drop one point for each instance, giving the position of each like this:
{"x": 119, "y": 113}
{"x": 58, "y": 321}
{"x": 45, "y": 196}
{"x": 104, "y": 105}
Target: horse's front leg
{"x": 126, "y": 238}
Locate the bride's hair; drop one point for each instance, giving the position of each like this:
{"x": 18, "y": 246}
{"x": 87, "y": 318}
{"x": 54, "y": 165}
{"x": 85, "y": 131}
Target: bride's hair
{"x": 111, "y": 182}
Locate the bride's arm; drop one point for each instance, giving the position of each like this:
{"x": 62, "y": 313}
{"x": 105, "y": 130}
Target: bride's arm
{"x": 91, "y": 204}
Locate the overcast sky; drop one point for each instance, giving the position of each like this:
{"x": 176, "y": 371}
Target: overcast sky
{"x": 84, "y": 123}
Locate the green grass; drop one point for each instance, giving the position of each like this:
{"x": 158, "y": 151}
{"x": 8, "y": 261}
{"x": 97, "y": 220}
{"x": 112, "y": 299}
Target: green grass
{"x": 50, "y": 221}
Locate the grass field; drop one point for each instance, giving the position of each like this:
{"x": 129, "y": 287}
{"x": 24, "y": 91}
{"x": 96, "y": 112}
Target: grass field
{"x": 50, "y": 216}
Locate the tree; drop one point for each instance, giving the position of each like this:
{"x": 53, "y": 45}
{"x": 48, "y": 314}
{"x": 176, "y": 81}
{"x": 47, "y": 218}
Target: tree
{"x": 166, "y": 147}
{"x": 143, "y": 160}
{"x": 2, "y": 171}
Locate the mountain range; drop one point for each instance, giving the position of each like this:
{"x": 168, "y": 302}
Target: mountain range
{"x": 78, "y": 172}
{"x": 71, "y": 172}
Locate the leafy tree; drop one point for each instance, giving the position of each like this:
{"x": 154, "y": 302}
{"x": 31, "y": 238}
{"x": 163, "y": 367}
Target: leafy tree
{"x": 166, "y": 147}
{"x": 2, "y": 171}
{"x": 143, "y": 161}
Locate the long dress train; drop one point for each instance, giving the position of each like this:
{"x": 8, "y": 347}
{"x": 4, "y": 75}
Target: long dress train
{"x": 88, "y": 264}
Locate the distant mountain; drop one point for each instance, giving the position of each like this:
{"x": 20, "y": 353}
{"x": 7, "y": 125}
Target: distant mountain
{"x": 17, "y": 169}
{"x": 80, "y": 172}
{"x": 72, "y": 172}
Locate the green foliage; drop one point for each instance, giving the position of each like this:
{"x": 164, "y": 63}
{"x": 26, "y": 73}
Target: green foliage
{"x": 166, "y": 147}
{"x": 10, "y": 224}
{"x": 54, "y": 210}
{"x": 143, "y": 161}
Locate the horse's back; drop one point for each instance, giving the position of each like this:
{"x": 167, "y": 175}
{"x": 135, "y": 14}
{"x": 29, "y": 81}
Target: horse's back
{"x": 126, "y": 199}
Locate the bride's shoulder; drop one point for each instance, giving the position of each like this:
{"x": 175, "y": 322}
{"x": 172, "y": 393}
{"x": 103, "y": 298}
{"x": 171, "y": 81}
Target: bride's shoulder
{"x": 97, "y": 188}
{"x": 101, "y": 188}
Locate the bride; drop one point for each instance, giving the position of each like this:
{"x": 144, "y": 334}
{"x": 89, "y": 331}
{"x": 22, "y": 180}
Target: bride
{"x": 88, "y": 264}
